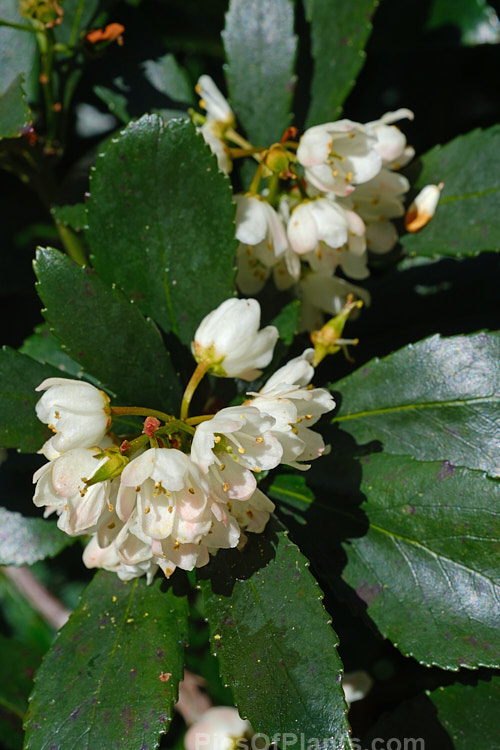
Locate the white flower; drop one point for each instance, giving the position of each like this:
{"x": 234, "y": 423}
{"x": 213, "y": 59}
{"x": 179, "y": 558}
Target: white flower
{"x": 76, "y": 411}
{"x": 169, "y": 493}
{"x": 423, "y": 207}
{"x": 262, "y": 239}
{"x": 61, "y": 487}
{"x": 295, "y": 408}
{"x": 219, "y": 118}
{"x": 233, "y": 444}
{"x": 376, "y": 202}
{"x": 229, "y": 341}
{"x": 338, "y": 155}
{"x": 391, "y": 142}
{"x": 252, "y": 514}
{"x": 314, "y": 221}
{"x": 219, "y": 728}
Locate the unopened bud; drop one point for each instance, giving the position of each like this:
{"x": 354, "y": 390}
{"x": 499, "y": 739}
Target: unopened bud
{"x": 423, "y": 207}
{"x": 112, "y": 468}
{"x": 328, "y": 340}
{"x": 277, "y": 160}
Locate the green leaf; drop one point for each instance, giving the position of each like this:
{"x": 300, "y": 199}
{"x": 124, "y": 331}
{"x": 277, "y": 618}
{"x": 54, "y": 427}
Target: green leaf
{"x": 434, "y": 400}
{"x": 287, "y": 322}
{"x": 273, "y": 639}
{"x": 78, "y": 16}
{"x": 105, "y": 333}
{"x": 115, "y": 99}
{"x": 260, "y": 49}
{"x": 18, "y": 50}
{"x": 43, "y": 346}
{"x": 112, "y": 674}
{"x": 19, "y": 376}
{"x": 292, "y": 490}
{"x": 161, "y": 223}
{"x": 18, "y": 664}
{"x": 15, "y": 115}
{"x": 470, "y": 713}
{"x": 73, "y": 215}
{"x": 24, "y": 541}
{"x": 466, "y": 220}
{"x": 427, "y": 569}
{"x": 168, "y": 77}
{"x": 477, "y": 21}
{"x": 339, "y": 32}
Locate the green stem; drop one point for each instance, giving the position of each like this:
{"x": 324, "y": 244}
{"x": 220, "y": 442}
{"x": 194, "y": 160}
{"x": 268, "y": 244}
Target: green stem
{"x": 72, "y": 244}
{"x": 20, "y": 26}
{"x": 140, "y": 411}
{"x": 196, "y": 378}
{"x": 197, "y": 420}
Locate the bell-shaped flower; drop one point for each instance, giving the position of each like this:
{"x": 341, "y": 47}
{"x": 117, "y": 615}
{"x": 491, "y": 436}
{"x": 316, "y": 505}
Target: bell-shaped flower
{"x": 77, "y": 412}
{"x": 391, "y": 142}
{"x": 315, "y": 221}
{"x": 169, "y": 493}
{"x": 338, "y": 155}
{"x": 61, "y": 487}
{"x": 296, "y": 407}
{"x": 229, "y": 342}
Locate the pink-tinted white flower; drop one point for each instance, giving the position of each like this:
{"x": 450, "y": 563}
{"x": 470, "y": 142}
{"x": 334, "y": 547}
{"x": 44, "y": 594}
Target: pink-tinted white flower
{"x": 61, "y": 487}
{"x": 315, "y": 221}
{"x": 252, "y": 514}
{"x": 338, "y": 155}
{"x": 77, "y": 412}
{"x": 169, "y": 493}
{"x": 229, "y": 341}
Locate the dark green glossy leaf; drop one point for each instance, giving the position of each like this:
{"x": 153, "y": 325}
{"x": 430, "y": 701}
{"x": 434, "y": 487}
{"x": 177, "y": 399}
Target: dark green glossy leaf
{"x": 19, "y": 376}
{"x": 17, "y": 666}
{"x": 470, "y": 713}
{"x": 260, "y": 49}
{"x": 15, "y": 115}
{"x": 291, "y": 489}
{"x": 427, "y": 568}
{"x": 116, "y": 100}
{"x": 271, "y": 634}
{"x": 161, "y": 223}
{"x": 112, "y": 674}
{"x": 43, "y": 346}
{"x": 467, "y": 220}
{"x": 476, "y": 21}
{"x": 105, "y": 333}
{"x": 23, "y": 540}
{"x": 339, "y": 32}
{"x": 74, "y": 215}
{"x": 434, "y": 400}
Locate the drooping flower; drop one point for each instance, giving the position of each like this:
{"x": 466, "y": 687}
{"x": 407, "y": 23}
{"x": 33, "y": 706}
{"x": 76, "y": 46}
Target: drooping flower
{"x": 338, "y": 155}
{"x": 391, "y": 142}
{"x": 324, "y": 294}
{"x": 219, "y": 728}
{"x": 76, "y": 411}
{"x": 229, "y": 342}
{"x": 296, "y": 407}
{"x": 61, "y": 487}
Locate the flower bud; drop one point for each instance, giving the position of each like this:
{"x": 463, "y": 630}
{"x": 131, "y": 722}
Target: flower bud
{"x": 328, "y": 339}
{"x": 423, "y": 208}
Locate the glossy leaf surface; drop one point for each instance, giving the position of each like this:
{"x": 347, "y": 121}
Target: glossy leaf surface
{"x": 339, "y": 32}
{"x": 427, "y": 569}
{"x": 260, "y": 49}
{"x": 269, "y": 629}
{"x": 442, "y": 403}
{"x": 105, "y": 333}
{"x": 466, "y": 221}
{"x": 470, "y": 713}
{"x": 161, "y": 223}
{"x": 112, "y": 675}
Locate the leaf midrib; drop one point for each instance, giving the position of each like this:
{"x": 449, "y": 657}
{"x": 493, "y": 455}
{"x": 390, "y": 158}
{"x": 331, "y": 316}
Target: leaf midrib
{"x": 410, "y": 407}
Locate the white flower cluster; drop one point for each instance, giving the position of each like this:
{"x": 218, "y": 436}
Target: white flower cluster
{"x": 160, "y": 501}
{"x": 344, "y": 193}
